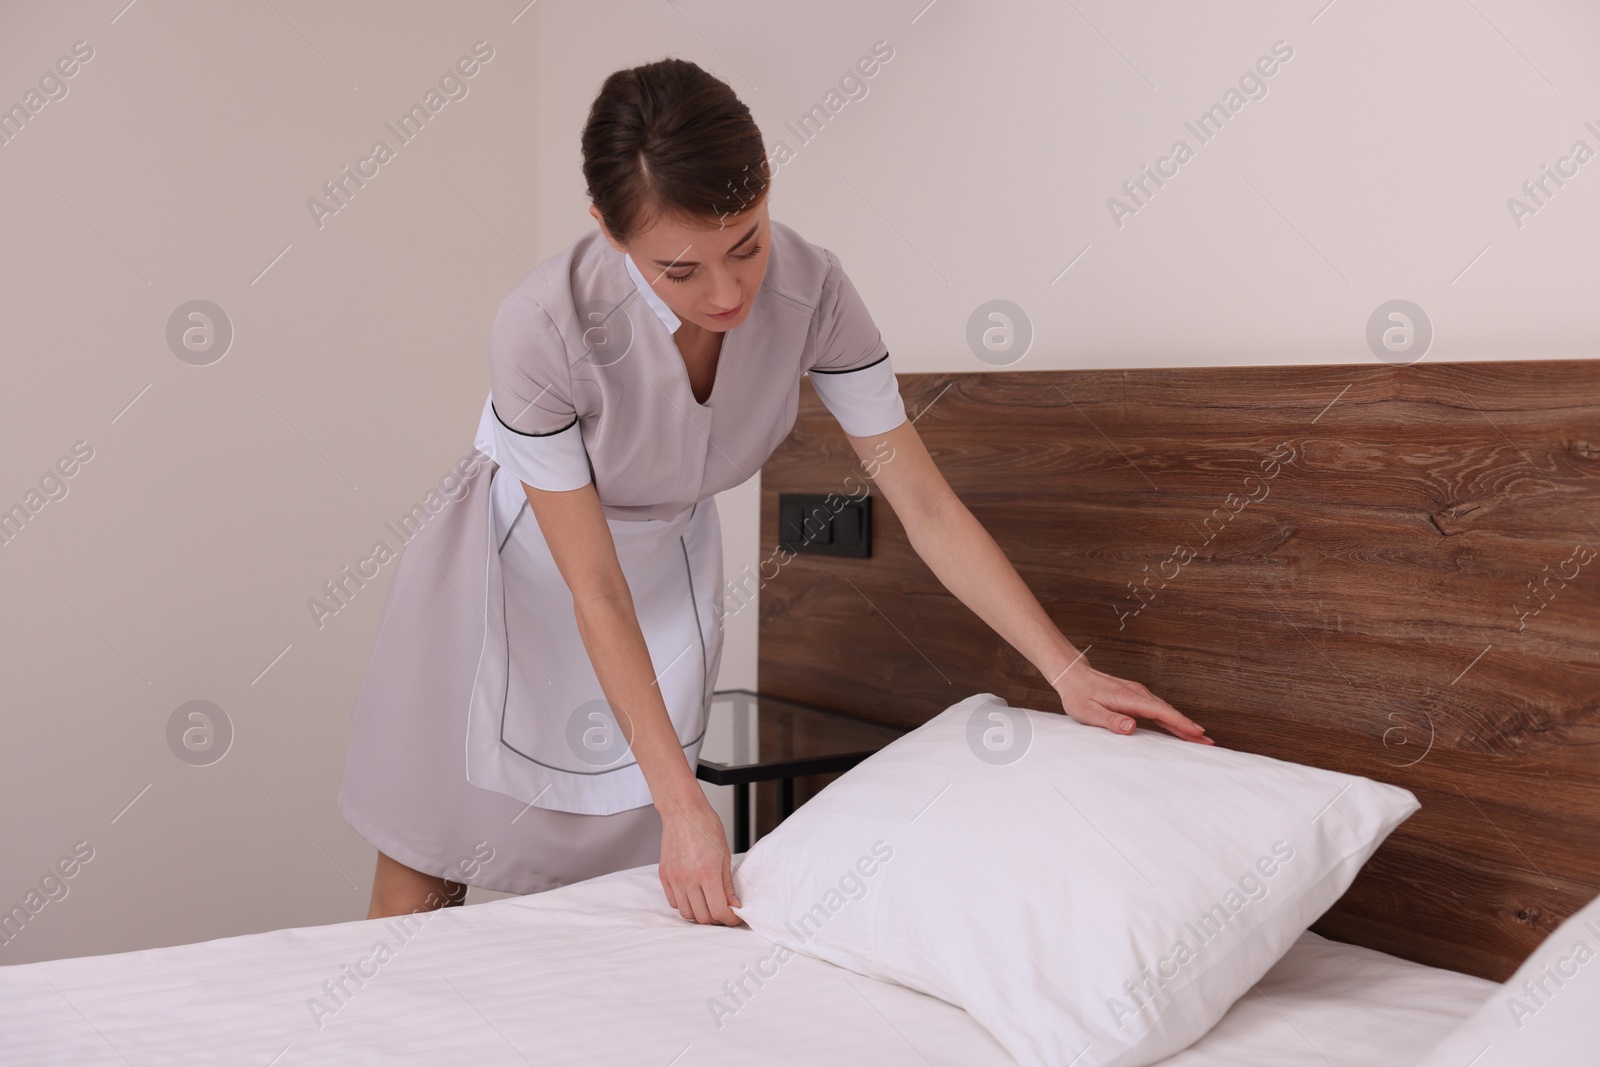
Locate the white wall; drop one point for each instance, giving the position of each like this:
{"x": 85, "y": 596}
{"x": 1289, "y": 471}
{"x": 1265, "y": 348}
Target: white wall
{"x": 978, "y": 166}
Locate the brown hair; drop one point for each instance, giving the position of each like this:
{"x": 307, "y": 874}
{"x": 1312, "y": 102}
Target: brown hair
{"x": 667, "y": 138}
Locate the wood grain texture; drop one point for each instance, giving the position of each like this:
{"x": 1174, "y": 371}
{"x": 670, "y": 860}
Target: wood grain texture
{"x": 1402, "y": 594}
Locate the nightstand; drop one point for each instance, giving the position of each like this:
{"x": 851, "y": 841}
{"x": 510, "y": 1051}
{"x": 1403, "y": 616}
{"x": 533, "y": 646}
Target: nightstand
{"x": 780, "y": 740}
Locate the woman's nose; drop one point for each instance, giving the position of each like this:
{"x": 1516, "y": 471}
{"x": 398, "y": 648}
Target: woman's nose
{"x": 724, "y": 291}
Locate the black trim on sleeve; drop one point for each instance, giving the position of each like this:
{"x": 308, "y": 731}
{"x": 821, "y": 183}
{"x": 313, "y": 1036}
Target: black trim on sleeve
{"x": 524, "y": 433}
{"x": 847, "y": 370}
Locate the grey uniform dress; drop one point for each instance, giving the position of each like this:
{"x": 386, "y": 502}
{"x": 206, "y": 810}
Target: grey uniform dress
{"x": 480, "y": 729}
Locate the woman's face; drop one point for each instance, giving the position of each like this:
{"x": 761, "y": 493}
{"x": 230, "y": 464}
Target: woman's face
{"x": 706, "y": 268}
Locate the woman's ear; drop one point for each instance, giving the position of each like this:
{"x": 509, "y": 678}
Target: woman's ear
{"x": 595, "y": 212}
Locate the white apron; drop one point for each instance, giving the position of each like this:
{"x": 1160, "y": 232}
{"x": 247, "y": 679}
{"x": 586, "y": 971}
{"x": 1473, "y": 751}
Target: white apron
{"x": 538, "y": 726}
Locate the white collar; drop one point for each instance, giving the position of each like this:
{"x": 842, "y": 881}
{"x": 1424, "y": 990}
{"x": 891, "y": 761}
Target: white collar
{"x": 664, "y": 313}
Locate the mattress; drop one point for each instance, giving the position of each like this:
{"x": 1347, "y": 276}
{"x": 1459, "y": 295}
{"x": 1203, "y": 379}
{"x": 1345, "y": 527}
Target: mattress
{"x": 601, "y": 972}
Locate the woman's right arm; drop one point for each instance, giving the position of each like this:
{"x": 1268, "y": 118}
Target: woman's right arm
{"x": 695, "y": 869}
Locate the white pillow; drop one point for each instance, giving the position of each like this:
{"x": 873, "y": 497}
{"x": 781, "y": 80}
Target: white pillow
{"x": 1548, "y": 1013}
{"x": 1090, "y": 898}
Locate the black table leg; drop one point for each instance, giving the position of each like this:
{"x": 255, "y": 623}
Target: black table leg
{"x": 785, "y": 798}
{"x": 741, "y": 818}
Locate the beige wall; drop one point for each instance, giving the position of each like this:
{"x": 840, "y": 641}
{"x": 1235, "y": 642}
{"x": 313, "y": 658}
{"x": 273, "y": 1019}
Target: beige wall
{"x": 978, "y": 165}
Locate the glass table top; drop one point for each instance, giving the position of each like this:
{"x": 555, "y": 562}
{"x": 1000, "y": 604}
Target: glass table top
{"x": 752, "y": 738}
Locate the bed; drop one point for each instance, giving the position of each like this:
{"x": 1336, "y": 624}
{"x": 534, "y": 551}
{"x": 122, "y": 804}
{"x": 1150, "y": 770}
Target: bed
{"x": 1350, "y": 620}
{"x": 600, "y": 973}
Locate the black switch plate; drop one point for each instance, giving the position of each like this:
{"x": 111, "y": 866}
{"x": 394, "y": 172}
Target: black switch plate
{"x": 825, "y": 524}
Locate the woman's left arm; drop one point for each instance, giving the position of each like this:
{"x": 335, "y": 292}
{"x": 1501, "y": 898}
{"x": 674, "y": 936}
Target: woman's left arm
{"x": 963, "y": 556}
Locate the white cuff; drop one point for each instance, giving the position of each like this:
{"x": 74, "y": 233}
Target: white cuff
{"x": 553, "y": 461}
{"x": 866, "y": 400}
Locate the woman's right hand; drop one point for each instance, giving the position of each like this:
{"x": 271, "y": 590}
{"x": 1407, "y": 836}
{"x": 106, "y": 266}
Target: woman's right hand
{"x": 696, "y": 867}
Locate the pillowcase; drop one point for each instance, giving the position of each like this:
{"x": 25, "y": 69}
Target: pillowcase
{"x": 1544, "y": 1014}
{"x": 1090, "y": 898}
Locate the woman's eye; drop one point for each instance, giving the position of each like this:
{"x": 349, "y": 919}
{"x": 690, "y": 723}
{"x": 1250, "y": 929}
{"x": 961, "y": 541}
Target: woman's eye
{"x": 752, "y": 254}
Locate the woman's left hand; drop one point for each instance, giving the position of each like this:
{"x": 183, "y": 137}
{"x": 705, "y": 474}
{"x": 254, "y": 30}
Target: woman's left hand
{"x": 1096, "y": 698}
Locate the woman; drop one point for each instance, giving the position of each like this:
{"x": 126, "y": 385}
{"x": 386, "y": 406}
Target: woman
{"x": 556, "y": 629}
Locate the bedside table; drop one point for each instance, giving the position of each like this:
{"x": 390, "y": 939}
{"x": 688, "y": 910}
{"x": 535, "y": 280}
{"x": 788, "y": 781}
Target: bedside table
{"x": 779, "y": 740}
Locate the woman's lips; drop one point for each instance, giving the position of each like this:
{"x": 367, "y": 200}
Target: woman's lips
{"x": 726, "y": 315}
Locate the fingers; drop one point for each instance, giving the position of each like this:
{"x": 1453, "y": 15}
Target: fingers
{"x": 726, "y": 899}
{"x": 681, "y": 896}
{"x": 1097, "y": 715}
{"x": 677, "y": 899}
{"x": 1110, "y": 702}
{"x": 708, "y": 901}
{"x": 705, "y": 902}
{"x": 697, "y": 900}
{"x": 1135, "y": 699}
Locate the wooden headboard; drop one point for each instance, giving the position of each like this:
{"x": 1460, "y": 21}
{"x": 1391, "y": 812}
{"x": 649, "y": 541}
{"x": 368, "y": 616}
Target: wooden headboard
{"x": 1387, "y": 571}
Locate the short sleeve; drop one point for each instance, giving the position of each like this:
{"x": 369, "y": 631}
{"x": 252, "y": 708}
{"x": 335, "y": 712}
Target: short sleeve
{"x": 852, "y": 373}
{"x": 529, "y": 424}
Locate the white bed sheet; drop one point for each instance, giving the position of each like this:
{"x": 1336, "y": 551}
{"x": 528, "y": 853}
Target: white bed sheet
{"x": 601, "y": 973}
